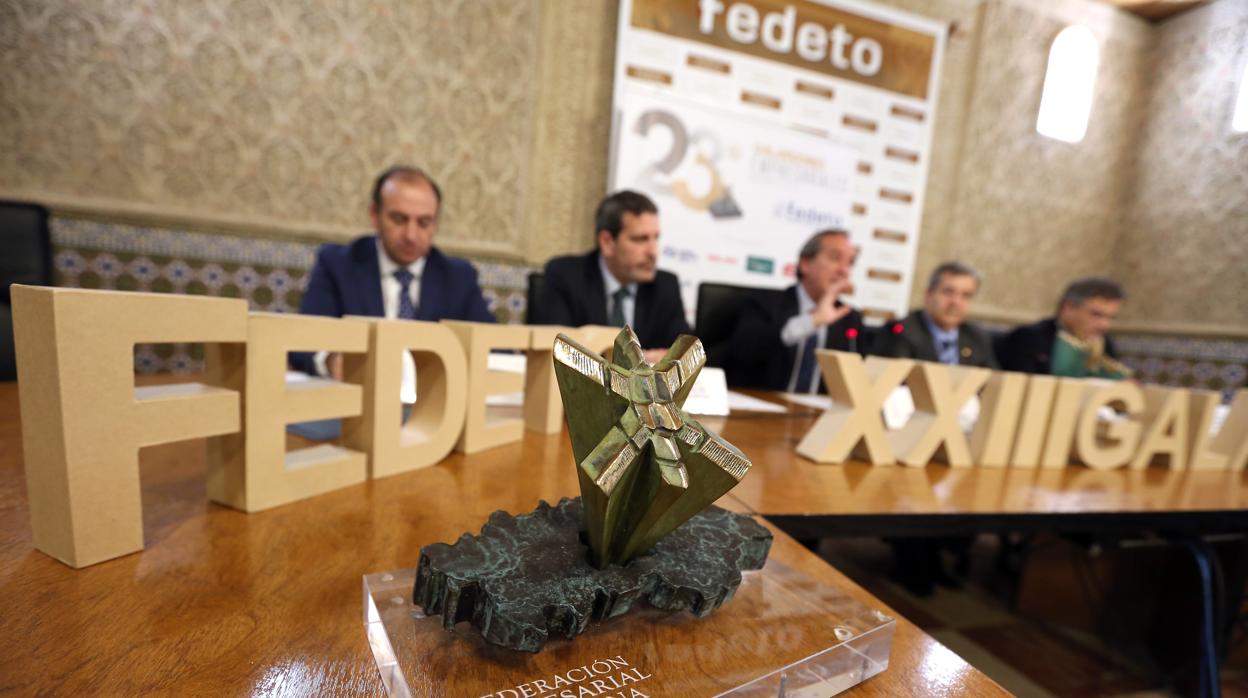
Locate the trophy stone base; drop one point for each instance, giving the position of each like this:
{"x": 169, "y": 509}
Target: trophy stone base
{"x": 783, "y": 634}
{"x": 527, "y": 578}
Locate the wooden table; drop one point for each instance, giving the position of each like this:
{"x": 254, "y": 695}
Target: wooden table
{"x": 812, "y": 500}
{"x": 227, "y": 603}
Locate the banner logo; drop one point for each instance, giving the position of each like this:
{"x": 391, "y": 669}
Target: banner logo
{"x": 703, "y": 150}
{"x": 760, "y": 265}
{"x": 808, "y": 35}
{"x": 683, "y": 255}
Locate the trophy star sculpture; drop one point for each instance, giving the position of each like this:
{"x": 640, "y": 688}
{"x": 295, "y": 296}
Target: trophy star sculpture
{"x": 644, "y": 466}
{"x": 644, "y": 527}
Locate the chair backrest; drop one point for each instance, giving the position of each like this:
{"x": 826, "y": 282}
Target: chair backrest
{"x": 27, "y": 246}
{"x": 25, "y": 258}
{"x": 8, "y": 357}
{"x": 532, "y": 312}
{"x": 718, "y": 307}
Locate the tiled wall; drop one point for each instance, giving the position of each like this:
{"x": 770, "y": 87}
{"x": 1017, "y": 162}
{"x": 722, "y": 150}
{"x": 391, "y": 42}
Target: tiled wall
{"x": 1198, "y": 362}
{"x": 269, "y": 274}
{"x": 1208, "y": 363}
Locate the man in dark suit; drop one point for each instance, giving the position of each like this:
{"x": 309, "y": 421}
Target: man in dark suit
{"x": 939, "y": 330}
{"x": 396, "y": 272}
{"x": 1084, "y": 315}
{"x": 773, "y": 343}
{"x": 618, "y": 283}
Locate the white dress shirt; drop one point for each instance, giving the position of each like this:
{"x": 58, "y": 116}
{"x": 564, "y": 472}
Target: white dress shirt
{"x": 795, "y": 332}
{"x": 390, "y": 288}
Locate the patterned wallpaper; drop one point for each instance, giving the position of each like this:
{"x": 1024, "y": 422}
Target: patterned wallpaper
{"x": 269, "y": 118}
{"x": 272, "y": 114}
{"x": 572, "y": 126}
{"x": 1184, "y": 244}
{"x": 1029, "y": 212}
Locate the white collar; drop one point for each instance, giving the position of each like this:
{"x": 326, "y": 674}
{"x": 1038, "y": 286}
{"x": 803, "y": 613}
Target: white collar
{"x": 388, "y": 267}
{"x": 613, "y": 284}
{"x": 804, "y": 302}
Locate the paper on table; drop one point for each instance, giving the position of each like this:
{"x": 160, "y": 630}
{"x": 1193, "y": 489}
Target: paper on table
{"x": 819, "y": 402}
{"x": 1219, "y": 417}
{"x": 710, "y": 393}
{"x": 515, "y": 399}
{"x": 507, "y": 363}
{"x": 749, "y": 403}
{"x": 898, "y": 408}
{"x": 711, "y": 397}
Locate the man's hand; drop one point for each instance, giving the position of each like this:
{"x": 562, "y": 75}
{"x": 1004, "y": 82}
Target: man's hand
{"x": 826, "y": 310}
{"x": 333, "y": 364}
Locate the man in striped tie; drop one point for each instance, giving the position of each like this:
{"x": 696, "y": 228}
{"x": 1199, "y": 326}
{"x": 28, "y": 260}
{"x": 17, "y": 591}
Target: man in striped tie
{"x": 395, "y": 272}
{"x": 618, "y": 282}
{"x": 774, "y": 342}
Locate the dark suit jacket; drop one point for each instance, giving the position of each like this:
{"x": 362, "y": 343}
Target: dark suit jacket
{"x": 758, "y": 359}
{"x": 1028, "y": 348}
{"x": 910, "y": 339}
{"x": 573, "y": 294}
{"x": 347, "y": 281}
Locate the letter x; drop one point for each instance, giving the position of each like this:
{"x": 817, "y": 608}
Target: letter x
{"x": 854, "y": 425}
{"x": 937, "y": 404}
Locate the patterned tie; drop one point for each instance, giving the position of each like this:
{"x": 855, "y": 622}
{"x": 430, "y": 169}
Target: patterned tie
{"x": 617, "y": 306}
{"x": 806, "y": 372}
{"x": 407, "y": 311}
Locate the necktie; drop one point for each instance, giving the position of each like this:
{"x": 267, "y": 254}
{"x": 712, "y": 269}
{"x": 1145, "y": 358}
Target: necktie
{"x": 949, "y": 351}
{"x": 407, "y": 311}
{"x": 617, "y": 306}
{"x": 806, "y": 371}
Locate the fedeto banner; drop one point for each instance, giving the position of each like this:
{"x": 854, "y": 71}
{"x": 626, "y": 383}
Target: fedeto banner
{"x": 830, "y": 40}
{"x": 755, "y": 124}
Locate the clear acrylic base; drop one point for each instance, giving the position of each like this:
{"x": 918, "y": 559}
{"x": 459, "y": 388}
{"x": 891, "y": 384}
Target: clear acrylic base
{"x": 782, "y": 634}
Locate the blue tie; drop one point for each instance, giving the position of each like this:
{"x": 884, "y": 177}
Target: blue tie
{"x": 806, "y": 372}
{"x": 949, "y": 351}
{"x": 407, "y": 311}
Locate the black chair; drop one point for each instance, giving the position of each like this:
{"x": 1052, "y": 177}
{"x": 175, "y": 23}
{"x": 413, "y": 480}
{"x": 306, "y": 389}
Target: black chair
{"x": 532, "y": 302}
{"x": 25, "y": 258}
{"x": 870, "y": 336}
{"x": 716, "y": 317}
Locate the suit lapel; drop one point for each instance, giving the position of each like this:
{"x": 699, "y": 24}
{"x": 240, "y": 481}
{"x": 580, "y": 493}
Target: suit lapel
{"x": 788, "y": 308}
{"x": 927, "y": 350}
{"x": 432, "y": 279}
{"x": 643, "y": 318}
{"x": 369, "y": 272}
{"x": 595, "y": 293}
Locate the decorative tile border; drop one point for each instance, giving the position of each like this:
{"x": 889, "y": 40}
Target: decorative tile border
{"x": 270, "y": 275}
{"x": 1200, "y": 362}
{"x": 1224, "y": 350}
{"x": 77, "y": 233}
